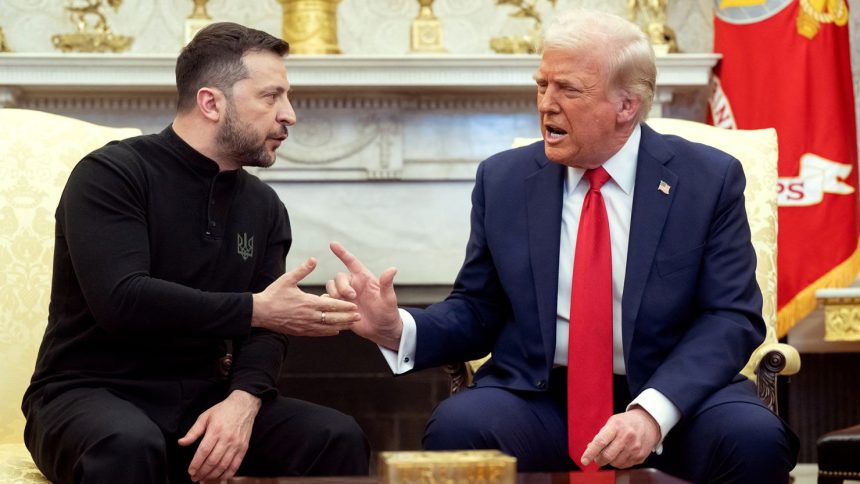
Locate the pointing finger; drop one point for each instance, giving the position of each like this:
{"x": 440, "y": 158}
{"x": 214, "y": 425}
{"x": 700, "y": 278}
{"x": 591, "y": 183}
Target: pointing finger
{"x": 352, "y": 264}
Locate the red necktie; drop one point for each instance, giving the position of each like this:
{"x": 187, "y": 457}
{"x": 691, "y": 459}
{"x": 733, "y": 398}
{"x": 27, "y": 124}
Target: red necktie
{"x": 589, "y": 344}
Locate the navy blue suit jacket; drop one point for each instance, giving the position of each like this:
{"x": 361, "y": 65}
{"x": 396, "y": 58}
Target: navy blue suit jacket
{"x": 691, "y": 308}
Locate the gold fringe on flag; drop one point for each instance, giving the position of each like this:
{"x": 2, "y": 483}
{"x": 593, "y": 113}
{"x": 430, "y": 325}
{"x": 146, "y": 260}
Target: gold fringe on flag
{"x": 804, "y": 302}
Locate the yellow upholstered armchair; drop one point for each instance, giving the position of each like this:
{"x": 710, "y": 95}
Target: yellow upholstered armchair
{"x": 757, "y": 152}
{"x": 37, "y": 152}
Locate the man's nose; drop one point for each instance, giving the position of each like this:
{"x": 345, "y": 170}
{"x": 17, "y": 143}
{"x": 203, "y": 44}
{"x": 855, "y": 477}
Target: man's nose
{"x": 286, "y": 115}
{"x": 546, "y": 102}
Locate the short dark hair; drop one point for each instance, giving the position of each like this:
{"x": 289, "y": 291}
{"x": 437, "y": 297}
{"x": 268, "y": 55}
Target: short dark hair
{"x": 214, "y": 58}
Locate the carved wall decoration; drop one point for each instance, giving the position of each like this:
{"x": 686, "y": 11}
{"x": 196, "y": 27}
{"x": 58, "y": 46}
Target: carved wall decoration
{"x": 308, "y": 151}
{"x": 842, "y": 318}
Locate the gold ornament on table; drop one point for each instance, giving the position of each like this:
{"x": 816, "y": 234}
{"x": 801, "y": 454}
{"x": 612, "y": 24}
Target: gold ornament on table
{"x": 426, "y": 33}
{"x": 522, "y": 44}
{"x": 199, "y": 18}
{"x": 654, "y": 13}
{"x": 310, "y": 26}
{"x": 458, "y": 466}
{"x": 93, "y": 33}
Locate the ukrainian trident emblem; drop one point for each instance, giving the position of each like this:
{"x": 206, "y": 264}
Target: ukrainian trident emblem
{"x": 245, "y": 246}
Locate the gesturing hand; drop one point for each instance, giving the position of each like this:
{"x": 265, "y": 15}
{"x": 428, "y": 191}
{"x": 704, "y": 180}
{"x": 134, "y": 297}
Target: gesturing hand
{"x": 285, "y": 308}
{"x": 626, "y": 440}
{"x": 377, "y": 303}
{"x": 226, "y": 430}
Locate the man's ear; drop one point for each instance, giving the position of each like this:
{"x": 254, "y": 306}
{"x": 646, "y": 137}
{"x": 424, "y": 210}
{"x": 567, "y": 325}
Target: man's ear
{"x": 210, "y": 102}
{"x": 627, "y": 108}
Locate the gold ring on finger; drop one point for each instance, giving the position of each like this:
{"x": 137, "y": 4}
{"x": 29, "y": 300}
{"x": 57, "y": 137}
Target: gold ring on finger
{"x": 322, "y": 317}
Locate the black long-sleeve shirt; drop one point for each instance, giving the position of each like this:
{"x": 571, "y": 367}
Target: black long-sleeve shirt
{"x": 156, "y": 256}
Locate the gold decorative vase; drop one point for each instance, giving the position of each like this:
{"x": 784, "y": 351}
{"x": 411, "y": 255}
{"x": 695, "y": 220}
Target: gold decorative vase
{"x": 198, "y": 20}
{"x": 4, "y": 47}
{"x": 426, "y": 33}
{"x": 310, "y": 26}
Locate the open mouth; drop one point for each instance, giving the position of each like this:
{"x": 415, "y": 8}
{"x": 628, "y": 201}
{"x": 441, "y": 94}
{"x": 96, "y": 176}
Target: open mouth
{"x": 553, "y": 133}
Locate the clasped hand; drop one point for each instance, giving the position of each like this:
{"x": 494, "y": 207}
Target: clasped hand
{"x": 284, "y": 308}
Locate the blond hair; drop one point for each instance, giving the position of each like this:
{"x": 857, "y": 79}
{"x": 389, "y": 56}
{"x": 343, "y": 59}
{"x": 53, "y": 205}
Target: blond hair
{"x": 630, "y": 63}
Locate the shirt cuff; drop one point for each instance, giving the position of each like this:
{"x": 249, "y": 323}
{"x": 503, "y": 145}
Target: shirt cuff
{"x": 403, "y": 359}
{"x": 662, "y": 409}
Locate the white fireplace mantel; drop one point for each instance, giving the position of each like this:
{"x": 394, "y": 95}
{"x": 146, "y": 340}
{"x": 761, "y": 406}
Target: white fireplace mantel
{"x": 360, "y": 117}
{"x": 384, "y": 152}
{"x": 34, "y": 73}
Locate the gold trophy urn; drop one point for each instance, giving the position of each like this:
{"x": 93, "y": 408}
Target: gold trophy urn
{"x": 197, "y": 21}
{"x": 310, "y": 26}
{"x": 4, "y": 47}
{"x": 426, "y": 33}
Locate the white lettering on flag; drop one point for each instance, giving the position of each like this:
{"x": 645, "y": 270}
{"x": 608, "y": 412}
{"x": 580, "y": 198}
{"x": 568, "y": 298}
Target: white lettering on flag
{"x": 721, "y": 110}
{"x": 817, "y": 176}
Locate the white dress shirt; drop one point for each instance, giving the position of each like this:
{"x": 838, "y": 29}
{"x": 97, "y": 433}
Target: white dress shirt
{"x": 618, "y": 197}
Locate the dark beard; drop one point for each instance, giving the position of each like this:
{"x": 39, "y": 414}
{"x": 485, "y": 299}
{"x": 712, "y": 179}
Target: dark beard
{"x": 239, "y": 144}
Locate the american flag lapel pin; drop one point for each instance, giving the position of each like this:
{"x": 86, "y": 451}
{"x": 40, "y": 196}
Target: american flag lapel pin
{"x": 663, "y": 188}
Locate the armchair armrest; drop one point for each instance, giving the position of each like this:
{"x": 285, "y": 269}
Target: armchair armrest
{"x": 770, "y": 360}
{"x": 461, "y": 374}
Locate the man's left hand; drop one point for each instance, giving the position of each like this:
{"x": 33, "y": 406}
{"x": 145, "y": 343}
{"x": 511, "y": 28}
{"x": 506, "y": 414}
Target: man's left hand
{"x": 226, "y": 431}
{"x": 625, "y": 441}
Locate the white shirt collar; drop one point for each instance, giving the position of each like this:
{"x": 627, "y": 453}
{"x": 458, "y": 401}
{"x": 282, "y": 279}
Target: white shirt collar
{"x": 621, "y": 166}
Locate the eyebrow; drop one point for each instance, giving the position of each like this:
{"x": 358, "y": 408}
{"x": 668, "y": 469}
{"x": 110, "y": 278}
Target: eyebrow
{"x": 564, "y": 83}
{"x": 266, "y": 90}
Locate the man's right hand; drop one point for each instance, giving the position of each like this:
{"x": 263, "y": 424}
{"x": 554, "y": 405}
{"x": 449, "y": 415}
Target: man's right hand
{"x": 284, "y": 308}
{"x": 377, "y": 303}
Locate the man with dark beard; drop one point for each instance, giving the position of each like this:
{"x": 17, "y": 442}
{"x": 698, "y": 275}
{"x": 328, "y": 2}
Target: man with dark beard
{"x": 170, "y": 304}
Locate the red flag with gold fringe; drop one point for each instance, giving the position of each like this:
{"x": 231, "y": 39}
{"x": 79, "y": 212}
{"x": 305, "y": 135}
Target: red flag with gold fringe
{"x": 786, "y": 65}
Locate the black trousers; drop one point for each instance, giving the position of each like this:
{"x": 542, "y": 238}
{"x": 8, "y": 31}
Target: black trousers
{"x": 95, "y": 435}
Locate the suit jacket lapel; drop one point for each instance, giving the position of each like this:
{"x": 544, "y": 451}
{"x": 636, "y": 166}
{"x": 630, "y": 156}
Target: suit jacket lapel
{"x": 543, "y": 202}
{"x": 650, "y": 208}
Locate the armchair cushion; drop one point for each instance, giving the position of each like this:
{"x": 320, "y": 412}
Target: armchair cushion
{"x": 758, "y": 153}
{"x": 37, "y": 152}
{"x": 17, "y": 466}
